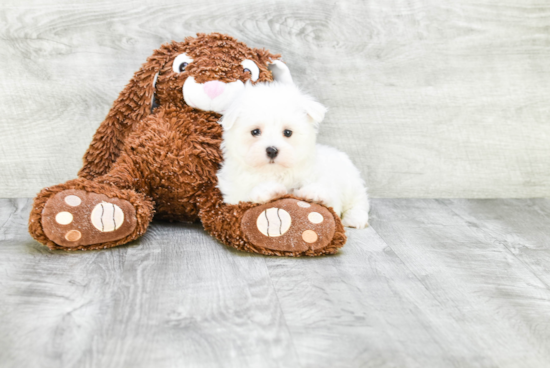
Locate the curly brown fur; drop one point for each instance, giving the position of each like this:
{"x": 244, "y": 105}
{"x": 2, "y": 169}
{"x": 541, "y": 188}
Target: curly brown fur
{"x": 217, "y": 57}
{"x": 167, "y": 159}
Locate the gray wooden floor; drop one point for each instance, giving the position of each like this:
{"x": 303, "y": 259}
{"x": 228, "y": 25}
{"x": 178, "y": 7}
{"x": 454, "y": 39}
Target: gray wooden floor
{"x": 433, "y": 283}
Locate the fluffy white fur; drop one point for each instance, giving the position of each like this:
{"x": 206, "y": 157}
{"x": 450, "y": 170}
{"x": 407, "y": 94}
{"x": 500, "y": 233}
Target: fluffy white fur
{"x": 302, "y": 167}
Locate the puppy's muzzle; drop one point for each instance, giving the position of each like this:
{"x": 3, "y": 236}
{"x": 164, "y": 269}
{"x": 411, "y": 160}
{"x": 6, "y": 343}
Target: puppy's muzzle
{"x": 272, "y": 152}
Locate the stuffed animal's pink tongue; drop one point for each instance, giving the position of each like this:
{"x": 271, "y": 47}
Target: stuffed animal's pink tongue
{"x": 214, "y": 88}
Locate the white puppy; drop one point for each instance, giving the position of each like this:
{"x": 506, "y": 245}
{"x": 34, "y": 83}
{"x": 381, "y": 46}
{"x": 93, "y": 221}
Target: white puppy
{"x": 269, "y": 147}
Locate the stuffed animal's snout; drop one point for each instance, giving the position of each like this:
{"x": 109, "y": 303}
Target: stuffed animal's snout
{"x": 213, "y": 95}
{"x": 213, "y": 88}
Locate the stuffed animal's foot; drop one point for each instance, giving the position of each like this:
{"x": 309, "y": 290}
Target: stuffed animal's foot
{"x": 74, "y": 218}
{"x": 292, "y": 227}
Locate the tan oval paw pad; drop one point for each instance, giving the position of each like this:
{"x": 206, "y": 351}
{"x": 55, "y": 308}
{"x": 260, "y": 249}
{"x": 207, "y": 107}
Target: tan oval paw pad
{"x": 73, "y": 235}
{"x": 64, "y": 218}
{"x": 315, "y": 218}
{"x": 73, "y": 200}
{"x": 309, "y": 236}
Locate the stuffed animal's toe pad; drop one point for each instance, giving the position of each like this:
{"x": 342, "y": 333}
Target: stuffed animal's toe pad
{"x": 74, "y": 218}
{"x": 289, "y": 225}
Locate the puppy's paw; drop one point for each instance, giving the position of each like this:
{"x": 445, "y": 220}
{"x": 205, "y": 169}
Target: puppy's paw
{"x": 357, "y": 218}
{"x": 313, "y": 192}
{"x": 265, "y": 192}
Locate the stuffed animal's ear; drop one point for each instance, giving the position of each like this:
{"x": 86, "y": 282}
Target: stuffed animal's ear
{"x": 315, "y": 111}
{"x": 133, "y": 104}
{"x": 265, "y": 58}
{"x": 280, "y": 72}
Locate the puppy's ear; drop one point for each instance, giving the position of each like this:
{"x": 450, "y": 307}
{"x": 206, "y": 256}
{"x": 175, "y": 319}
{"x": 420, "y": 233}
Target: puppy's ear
{"x": 228, "y": 119}
{"x": 315, "y": 111}
{"x": 134, "y": 103}
{"x": 280, "y": 72}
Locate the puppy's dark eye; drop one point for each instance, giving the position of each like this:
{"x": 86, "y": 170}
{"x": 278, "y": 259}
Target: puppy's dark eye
{"x": 246, "y": 70}
{"x": 182, "y": 67}
{"x": 287, "y": 133}
{"x": 255, "y": 132}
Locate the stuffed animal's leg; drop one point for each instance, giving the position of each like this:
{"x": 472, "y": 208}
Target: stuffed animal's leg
{"x": 286, "y": 226}
{"x": 82, "y": 214}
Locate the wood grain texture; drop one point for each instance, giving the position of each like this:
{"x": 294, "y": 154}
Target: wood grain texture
{"x": 432, "y": 283}
{"x": 430, "y": 98}
{"x": 498, "y": 296}
{"x": 176, "y": 298}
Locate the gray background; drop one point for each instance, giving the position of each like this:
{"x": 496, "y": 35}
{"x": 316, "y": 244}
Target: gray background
{"x": 430, "y": 98}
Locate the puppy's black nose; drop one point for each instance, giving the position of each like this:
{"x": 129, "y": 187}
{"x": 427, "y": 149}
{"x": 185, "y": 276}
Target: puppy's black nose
{"x": 272, "y": 152}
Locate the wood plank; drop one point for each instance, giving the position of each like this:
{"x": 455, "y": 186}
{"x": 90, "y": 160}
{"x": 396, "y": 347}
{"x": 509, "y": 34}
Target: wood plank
{"x": 522, "y": 226}
{"x": 365, "y": 308}
{"x": 501, "y": 303}
{"x": 174, "y": 298}
{"x": 430, "y": 99}
{"x": 432, "y": 283}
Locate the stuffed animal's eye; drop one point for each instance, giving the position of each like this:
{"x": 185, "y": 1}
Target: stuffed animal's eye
{"x": 287, "y": 133}
{"x": 255, "y": 132}
{"x": 181, "y": 62}
{"x": 250, "y": 67}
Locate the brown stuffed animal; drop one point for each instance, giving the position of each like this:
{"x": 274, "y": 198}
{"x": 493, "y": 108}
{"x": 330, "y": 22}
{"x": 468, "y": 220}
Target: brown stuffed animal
{"x": 158, "y": 151}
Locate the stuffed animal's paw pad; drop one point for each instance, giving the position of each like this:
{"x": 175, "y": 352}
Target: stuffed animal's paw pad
{"x": 274, "y": 222}
{"x": 290, "y": 225}
{"x": 73, "y": 201}
{"x": 315, "y": 217}
{"x": 107, "y": 217}
{"x": 75, "y": 218}
{"x": 73, "y": 235}
{"x": 64, "y": 218}
{"x": 310, "y": 236}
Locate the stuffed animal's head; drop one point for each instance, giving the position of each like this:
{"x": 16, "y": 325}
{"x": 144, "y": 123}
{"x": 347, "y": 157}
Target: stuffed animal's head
{"x": 203, "y": 72}
{"x": 206, "y": 72}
